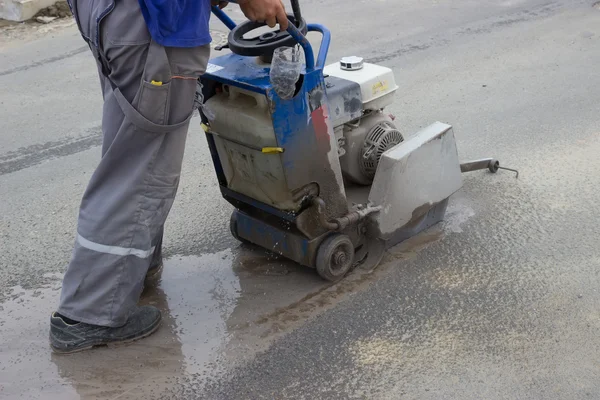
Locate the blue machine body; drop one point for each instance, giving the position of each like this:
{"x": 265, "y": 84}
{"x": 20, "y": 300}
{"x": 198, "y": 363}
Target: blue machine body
{"x": 303, "y": 130}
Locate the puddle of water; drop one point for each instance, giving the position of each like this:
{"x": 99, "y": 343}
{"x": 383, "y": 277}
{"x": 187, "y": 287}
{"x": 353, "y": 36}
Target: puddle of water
{"x": 196, "y": 297}
{"x": 204, "y": 301}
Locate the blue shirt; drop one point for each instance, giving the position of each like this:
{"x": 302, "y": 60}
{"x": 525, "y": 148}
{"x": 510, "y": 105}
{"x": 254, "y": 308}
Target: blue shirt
{"x": 177, "y": 23}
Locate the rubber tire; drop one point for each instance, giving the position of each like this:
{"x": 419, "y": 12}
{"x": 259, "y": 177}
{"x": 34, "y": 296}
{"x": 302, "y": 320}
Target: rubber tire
{"x": 327, "y": 249}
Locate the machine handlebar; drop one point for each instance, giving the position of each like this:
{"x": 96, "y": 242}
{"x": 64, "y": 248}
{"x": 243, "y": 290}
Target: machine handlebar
{"x": 294, "y": 33}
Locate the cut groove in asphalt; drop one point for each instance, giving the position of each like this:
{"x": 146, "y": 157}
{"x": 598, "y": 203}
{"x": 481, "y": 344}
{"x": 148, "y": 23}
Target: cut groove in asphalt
{"x": 29, "y": 156}
{"x": 219, "y": 38}
{"x": 45, "y": 61}
{"x": 488, "y": 25}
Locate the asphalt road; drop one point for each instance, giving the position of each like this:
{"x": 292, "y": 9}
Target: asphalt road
{"x": 500, "y": 301}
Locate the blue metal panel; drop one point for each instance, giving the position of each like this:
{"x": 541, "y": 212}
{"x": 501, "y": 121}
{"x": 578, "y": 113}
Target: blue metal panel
{"x": 248, "y": 227}
{"x": 303, "y": 128}
{"x": 239, "y": 71}
{"x": 277, "y": 240}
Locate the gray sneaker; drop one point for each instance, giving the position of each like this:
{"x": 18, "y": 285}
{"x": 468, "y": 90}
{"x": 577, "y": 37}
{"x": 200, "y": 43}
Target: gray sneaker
{"x": 73, "y": 337}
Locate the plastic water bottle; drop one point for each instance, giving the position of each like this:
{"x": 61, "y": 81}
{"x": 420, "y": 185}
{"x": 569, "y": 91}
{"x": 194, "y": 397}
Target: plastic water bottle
{"x": 285, "y": 71}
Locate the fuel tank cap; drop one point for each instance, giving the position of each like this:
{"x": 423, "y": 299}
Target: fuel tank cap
{"x": 352, "y": 63}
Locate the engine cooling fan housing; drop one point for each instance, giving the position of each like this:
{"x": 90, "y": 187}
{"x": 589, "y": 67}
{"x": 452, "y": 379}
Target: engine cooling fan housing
{"x": 380, "y": 138}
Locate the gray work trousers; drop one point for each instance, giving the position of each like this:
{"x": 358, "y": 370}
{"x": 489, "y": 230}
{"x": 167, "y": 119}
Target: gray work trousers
{"x": 148, "y": 93}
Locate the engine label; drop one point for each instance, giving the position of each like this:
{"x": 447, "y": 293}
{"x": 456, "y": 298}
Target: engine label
{"x": 379, "y": 87}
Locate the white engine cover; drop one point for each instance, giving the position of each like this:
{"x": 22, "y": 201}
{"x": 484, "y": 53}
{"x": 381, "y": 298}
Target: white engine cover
{"x": 377, "y": 83}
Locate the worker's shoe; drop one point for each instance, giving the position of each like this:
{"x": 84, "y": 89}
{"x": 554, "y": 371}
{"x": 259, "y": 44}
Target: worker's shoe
{"x": 67, "y": 336}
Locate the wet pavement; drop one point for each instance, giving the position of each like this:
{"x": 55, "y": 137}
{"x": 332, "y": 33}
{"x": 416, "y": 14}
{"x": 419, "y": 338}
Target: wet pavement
{"x": 201, "y": 318}
{"x": 499, "y": 301}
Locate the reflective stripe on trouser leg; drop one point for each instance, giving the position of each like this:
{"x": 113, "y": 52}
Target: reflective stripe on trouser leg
{"x": 114, "y": 250}
{"x": 133, "y": 188}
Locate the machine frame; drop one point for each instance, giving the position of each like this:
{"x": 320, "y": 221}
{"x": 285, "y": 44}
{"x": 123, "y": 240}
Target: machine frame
{"x": 302, "y": 128}
{"x": 324, "y": 231}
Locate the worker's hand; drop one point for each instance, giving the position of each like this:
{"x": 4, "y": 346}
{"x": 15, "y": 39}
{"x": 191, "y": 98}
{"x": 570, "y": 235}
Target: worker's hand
{"x": 269, "y": 11}
{"x": 221, "y": 4}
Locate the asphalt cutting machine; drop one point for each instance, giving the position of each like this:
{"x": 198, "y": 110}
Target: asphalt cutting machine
{"x": 322, "y": 177}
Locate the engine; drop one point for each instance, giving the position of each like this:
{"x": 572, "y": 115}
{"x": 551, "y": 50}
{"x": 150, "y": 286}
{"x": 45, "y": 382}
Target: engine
{"x": 358, "y": 92}
{"x": 365, "y": 142}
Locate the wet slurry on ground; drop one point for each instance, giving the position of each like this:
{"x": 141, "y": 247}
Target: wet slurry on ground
{"x": 199, "y": 318}
{"x": 499, "y": 301}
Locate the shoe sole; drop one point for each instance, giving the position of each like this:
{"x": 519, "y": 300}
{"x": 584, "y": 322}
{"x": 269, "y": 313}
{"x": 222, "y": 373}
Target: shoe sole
{"x": 110, "y": 343}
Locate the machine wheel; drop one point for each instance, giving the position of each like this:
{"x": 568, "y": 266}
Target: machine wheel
{"x": 335, "y": 257}
{"x": 233, "y": 229}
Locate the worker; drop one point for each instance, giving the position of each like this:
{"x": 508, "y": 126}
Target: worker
{"x": 150, "y": 54}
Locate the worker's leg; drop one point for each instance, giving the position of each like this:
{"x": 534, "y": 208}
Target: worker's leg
{"x": 156, "y": 262}
{"x": 132, "y": 190}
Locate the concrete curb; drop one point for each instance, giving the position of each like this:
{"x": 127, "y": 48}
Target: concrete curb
{"x": 23, "y": 10}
